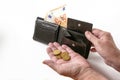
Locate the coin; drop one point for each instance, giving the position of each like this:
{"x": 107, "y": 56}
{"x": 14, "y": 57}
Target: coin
{"x": 56, "y": 52}
{"x": 65, "y": 56}
{"x": 58, "y": 56}
{"x": 61, "y": 55}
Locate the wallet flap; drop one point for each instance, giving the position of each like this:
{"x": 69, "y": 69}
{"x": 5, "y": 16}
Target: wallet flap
{"x": 79, "y": 26}
{"x": 76, "y": 46}
{"x": 77, "y": 36}
{"x": 75, "y": 40}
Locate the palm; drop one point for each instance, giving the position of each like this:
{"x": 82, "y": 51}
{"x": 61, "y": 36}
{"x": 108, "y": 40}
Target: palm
{"x": 67, "y": 68}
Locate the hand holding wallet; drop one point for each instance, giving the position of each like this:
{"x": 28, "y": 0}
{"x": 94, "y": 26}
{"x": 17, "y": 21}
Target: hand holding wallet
{"x": 73, "y": 36}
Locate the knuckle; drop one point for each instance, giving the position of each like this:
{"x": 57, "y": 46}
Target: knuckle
{"x": 107, "y": 33}
{"x": 98, "y": 42}
{"x": 60, "y": 72}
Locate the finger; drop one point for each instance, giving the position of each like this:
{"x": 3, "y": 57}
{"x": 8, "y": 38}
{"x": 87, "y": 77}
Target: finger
{"x": 97, "y": 32}
{"x": 95, "y": 29}
{"x": 69, "y": 50}
{"x": 50, "y": 63}
{"x": 91, "y": 37}
{"x": 51, "y": 45}
{"x": 59, "y": 47}
{"x": 50, "y": 52}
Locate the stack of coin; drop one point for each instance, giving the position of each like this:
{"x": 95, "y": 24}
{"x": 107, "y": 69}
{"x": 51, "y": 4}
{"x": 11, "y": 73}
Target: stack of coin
{"x": 61, "y": 55}
{"x": 57, "y": 53}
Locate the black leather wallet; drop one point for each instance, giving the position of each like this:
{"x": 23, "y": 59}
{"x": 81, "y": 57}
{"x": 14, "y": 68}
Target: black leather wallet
{"x": 73, "y": 36}
{"x": 45, "y": 32}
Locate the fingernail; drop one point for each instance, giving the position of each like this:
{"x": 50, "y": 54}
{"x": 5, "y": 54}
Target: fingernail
{"x": 87, "y": 32}
{"x": 49, "y": 43}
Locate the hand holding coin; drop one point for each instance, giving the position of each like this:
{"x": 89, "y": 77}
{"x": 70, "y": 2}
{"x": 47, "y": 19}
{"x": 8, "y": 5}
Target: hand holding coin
{"x": 64, "y": 60}
{"x": 61, "y": 55}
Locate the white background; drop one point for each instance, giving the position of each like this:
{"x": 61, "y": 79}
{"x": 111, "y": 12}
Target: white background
{"x": 21, "y": 57}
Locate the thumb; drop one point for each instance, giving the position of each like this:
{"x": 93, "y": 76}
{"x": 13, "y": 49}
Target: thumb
{"x": 50, "y": 63}
{"x": 93, "y": 39}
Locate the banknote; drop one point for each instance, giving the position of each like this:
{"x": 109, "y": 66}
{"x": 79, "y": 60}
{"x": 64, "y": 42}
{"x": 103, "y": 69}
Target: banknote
{"x": 58, "y": 16}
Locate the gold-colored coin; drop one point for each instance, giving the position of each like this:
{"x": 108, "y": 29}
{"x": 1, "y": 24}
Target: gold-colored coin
{"x": 65, "y": 56}
{"x": 61, "y": 55}
{"x": 56, "y": 52}
{"x": 58, "y": 56}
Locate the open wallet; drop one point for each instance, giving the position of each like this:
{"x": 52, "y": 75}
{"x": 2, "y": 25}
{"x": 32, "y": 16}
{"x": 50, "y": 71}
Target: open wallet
{"x": 72, "y": 36}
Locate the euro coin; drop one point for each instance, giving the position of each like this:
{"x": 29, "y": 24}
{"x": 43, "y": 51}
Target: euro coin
{"x": 58, "y": 56}
{"x": 56, "y": 52}
{"x": 65, "y": 56}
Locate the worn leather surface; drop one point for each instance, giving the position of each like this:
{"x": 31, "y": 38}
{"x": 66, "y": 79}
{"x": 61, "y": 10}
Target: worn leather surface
{"x": 45, "y": 32}
{"x": 73, "y": 35}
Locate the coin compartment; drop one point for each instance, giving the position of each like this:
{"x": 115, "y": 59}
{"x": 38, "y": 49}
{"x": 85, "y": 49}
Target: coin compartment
{"x": 76, "y": 46}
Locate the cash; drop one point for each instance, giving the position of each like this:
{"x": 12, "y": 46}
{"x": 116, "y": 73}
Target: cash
{"x": 58, "y": 16}
{"x": 61, "y": 55}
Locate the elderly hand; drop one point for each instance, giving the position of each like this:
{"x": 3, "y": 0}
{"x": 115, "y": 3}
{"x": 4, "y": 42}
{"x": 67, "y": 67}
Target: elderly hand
{"x": 105, "y": 46}
{"x": 77, "y": 67}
